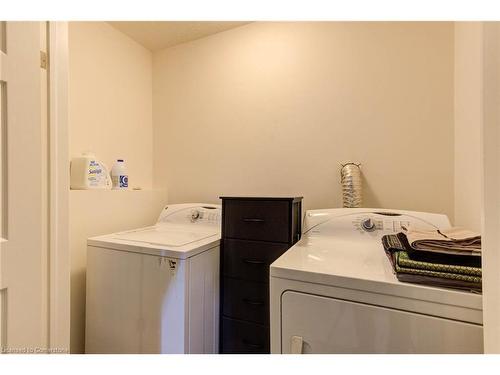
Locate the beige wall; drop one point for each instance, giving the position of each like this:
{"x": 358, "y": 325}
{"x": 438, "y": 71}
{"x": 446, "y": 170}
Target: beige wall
{"x": 110, "y": 107}
{"x": 468, "y": 117}
{"x": 274, "y": 108}
{"x": 110, "y": 114}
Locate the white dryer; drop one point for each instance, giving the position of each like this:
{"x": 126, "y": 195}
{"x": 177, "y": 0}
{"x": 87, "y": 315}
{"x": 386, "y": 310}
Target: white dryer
{"x": 334, "y": 292}
{"x": 156, "y": 289}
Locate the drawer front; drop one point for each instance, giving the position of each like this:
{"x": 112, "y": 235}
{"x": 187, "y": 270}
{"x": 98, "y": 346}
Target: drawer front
{"x": 257, "y": 220}
{"x": 250, "y": 260}
{"x": 246, "y": 300}
{"x": 244, "y": 337}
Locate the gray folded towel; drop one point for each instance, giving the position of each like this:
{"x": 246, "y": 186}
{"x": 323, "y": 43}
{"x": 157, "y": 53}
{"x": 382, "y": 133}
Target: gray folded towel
{"x": 449, "y": 241}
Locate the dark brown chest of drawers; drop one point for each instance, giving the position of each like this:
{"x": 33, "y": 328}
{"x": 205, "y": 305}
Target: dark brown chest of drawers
{"x": 255, "y": 232}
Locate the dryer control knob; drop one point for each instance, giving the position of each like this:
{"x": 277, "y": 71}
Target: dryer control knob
{"x": 368, "y": 225}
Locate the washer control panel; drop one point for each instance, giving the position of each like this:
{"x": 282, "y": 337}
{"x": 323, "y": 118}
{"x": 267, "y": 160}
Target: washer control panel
{"x": 205, "y": 214}
{"x": 209, "y": 214}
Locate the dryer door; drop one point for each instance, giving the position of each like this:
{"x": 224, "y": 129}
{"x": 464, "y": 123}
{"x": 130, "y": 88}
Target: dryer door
{"x": 315, "y": 324}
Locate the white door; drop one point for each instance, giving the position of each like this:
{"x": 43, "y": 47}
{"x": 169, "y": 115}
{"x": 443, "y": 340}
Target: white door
{"x": 24, "y": 189}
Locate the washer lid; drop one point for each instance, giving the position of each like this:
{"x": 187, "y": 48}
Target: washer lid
{"x": 171, "y": 236}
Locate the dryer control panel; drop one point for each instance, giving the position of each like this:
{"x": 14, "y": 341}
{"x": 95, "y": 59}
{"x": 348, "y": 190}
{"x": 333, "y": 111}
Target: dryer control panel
{"x": 372, "y": 223}
{"x": 369, "y": 223}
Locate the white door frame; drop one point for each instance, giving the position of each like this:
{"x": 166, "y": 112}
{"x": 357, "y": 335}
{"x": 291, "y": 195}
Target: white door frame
{"x": 59, "y": 256}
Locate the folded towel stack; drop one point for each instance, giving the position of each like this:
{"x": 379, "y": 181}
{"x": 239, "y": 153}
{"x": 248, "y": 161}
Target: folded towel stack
{"x": 455, "y": 241}
{"x": 446, "y": 258}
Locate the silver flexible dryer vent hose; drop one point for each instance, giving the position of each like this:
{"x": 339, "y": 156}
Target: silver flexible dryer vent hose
{"x": 350, "y": 178}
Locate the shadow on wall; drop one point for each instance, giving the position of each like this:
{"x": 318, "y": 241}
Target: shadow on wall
{"x": 369, "y": 197}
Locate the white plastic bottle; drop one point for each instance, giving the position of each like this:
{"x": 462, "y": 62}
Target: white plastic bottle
{"x": 119, "y": 175}
{"x": 86, "y": 172}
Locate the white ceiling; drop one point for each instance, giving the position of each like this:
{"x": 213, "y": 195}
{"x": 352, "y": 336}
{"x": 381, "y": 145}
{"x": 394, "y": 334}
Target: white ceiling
{"x": 162, "y": 34}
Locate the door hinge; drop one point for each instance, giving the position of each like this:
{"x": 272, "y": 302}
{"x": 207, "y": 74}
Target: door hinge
{"x": 43, "y": 60}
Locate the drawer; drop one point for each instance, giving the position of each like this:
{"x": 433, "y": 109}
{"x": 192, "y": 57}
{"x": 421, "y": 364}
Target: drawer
{"x": 257, "y": 220}
{"x": 244, "y": 337}
{"x": 250, "y": 260}
{"x": 246, "y": 300}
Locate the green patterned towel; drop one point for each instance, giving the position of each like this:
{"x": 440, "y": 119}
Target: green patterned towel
{"x": 404, "y": 264}
{"x": 403, "y": 260}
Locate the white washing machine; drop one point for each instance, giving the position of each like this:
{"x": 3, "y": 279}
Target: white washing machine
{"x": 156, "y": 289}
{"x": 334, "y": 292}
